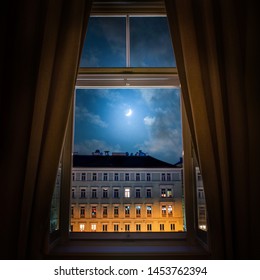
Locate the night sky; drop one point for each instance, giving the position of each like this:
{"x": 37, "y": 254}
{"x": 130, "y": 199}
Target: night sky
{"x": 128, "y": 120}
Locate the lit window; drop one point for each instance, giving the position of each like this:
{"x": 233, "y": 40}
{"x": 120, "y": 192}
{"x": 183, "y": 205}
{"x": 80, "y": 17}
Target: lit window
{"x": 169, "y": 210}
{"x": 94, "y": 211}
{"x": 169, "y": 193}
{"x": 127, "y": 211}
{"x": 149, "y": 210}
{"x": 138, "y": 211}
{"x": 163, "y": 210}
{"x": 82, "y": 227}
{"x": 93, "y": 227}
{"x": 127, "y": 192}
{"x": 163, "y": 193}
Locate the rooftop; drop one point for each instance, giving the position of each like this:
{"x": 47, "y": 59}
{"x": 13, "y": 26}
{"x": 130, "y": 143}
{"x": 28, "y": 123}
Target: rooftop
{"x": 121, "y": 161}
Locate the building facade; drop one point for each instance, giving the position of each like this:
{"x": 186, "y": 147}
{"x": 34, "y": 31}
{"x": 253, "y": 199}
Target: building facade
{"x": 119, "y": 193}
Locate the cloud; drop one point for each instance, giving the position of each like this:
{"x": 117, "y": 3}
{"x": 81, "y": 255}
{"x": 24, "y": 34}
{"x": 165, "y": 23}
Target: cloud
{"x": 88, "y": 146}
{"x": 84, "y": 114}
{"x": 149, "y": 120}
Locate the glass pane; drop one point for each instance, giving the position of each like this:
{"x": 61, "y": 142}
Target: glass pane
{"x": 105, "y": 44}
{"x": 126, "y": 134}
{"x": 150, "y": 42}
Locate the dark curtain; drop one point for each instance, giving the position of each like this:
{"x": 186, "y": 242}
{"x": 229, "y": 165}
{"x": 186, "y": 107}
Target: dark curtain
{"x": 216, "y": 45}
{"x": 40, "y": 51}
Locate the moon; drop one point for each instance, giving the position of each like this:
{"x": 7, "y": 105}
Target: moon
{"x": 129, "y": 113}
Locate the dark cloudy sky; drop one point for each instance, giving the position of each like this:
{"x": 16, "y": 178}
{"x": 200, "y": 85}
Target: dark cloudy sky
{"x": 128, "y": 120}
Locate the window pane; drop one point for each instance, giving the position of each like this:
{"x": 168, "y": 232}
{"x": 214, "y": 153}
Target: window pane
{"x": 150, "y": 42}
{"x": 105, "y": 44}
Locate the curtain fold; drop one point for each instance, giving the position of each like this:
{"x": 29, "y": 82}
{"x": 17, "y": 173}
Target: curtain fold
{"x": 209, "y": 39}
{"x": 44, "y": 43}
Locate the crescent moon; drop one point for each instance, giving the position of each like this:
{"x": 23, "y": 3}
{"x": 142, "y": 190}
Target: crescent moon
{"x": 129, "y": 112}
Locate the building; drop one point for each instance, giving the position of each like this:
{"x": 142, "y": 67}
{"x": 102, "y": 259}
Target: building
{"x": 121, "y": 192}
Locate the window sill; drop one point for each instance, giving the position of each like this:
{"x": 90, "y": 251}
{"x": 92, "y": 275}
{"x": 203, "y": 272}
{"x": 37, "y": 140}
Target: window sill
{"x": 127, "y": 246}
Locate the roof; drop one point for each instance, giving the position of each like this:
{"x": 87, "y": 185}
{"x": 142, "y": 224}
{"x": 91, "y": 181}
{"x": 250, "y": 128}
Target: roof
{"x": 120, "y": 161}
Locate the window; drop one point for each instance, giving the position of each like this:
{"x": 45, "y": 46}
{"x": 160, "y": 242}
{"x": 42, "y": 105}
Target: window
{"x": 138, "y": 211}
{"x": 127, "y": 227}
{"x": 93, "y": 211}
{"x": 149, "y": 210}
{"x": 104, "y": 227}
{"x": 105, "y": 193}
{"x": 104, "y": 211}
{"x": 83, "y": 176}
{"x": 116, "y": 193}
{"x": 94, "y": 193}
{"x": 116, "y": 227}
{"x": 151, "y": 98}
{"x": 168, "y": 177}
{"x": 149, "y": 227}
{"x": 138, "y": 227}
{"x": 116, "y": 211}
{"x": 93, "y": 227}
{"x": 169, "y": 193}
{"x": 161, "y": 227}
{"x": 172, "y": 227}
{"x": 163, "y": 192}
{"x": 163, "y": 176}
{"x": 163, "y": 210}
{"x": 169, "y": 210}
{"x": 127, "y": 211}
{"x": 82, "y": 212}
{"x": 83, "y": 193}
{"x": 127, "y": 192}
{"x": 72, "y": 211}
{"x": 82, "y": 227}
